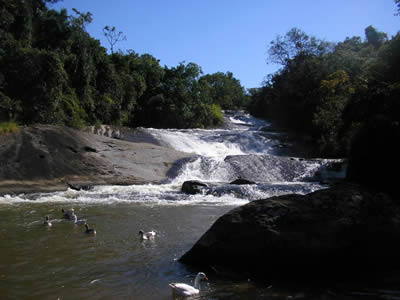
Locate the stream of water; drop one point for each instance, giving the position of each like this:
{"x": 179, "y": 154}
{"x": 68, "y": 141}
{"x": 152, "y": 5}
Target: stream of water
{"x": 62, "y": 262}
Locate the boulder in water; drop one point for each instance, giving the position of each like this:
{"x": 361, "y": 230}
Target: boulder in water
{"x": 193, "y": 187}
{"x": 79, "y": 187}
{"x": 242, "y": 181}
{"x": 338, "y": 231}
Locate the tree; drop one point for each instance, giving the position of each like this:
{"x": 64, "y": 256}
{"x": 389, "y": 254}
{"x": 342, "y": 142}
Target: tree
{"x": 113, "y": 37}
{"x": 226, "y": 90}
{"x": 296, "y": 42}
{"x": 81, "y": 20}
{"x": 397, "y": 2}
{"x": 374, "y": 37}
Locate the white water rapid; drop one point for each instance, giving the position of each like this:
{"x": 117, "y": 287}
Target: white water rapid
{"x": 243, "y": 148}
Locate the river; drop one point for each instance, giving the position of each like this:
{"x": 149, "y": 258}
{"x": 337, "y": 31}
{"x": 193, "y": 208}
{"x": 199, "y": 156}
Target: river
{"x": 62, "y": 262}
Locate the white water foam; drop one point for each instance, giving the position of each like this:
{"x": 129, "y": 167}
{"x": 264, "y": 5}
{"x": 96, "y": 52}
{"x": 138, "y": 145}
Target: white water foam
{"x": 237, "y": 121}
{"x": 215, "y": 171}
{"x": 189, "y": 141}
{"x": 164, "y": 194}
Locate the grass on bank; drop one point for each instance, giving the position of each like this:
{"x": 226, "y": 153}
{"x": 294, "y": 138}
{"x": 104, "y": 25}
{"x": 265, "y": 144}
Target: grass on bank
{"x": 8, "y": 128}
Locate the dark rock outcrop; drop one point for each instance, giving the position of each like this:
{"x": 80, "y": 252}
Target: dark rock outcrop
{"x": 193, "y": 187}
{"x": 242, "y": 181}
{"x": 342, "y": 230}
{"x": 79, "y": 187}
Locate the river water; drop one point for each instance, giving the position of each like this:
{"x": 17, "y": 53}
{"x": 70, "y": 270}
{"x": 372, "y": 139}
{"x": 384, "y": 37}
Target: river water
{"x": 62, "y": 262}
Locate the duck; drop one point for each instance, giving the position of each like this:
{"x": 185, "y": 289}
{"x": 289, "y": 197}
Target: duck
{"x": 47, "y": 222}
{"x": 147, "y": 235}
{"x": 89, "y": 230}
{"x": 78, "y": 222}
{"x": 186, "y": 290}
{"x": 67, "y": 213}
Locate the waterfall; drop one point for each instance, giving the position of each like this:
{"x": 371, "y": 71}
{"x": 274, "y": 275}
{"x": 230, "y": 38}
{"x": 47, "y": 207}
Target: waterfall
{"x": 240, "y": 149}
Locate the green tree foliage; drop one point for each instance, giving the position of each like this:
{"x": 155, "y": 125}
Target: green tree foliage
{"x": 295, "y": 43}
{"x": 226, "y": 90}
{"x": 53, "y": 71}
{"x": 375, "y": 37}
{"x": 344, "y": 99}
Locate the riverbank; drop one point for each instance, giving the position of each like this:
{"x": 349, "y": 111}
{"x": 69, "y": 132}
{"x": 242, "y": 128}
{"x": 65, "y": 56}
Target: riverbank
{"x": 46, "y": 158}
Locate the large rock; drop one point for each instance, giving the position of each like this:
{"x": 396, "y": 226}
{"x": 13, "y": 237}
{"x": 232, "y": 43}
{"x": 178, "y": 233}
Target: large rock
{"x": 241, "y": 181}
{"x": 48, "y": 158}
{"x": 340, "y": 230}
{"x": 193, "y": 187}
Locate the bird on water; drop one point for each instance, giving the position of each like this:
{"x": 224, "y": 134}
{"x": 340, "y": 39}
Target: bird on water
{"x": 67, "y": 213}
{"x": 90, "y": 230}
{"x": 146, "y": 235}
{"x": 47, "y": 222}
{"x": 186, "y": 290}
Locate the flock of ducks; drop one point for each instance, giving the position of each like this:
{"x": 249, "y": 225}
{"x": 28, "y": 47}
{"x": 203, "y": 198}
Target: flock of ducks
{"x": 178, "y": 289}
{"x": 70, "y": 215}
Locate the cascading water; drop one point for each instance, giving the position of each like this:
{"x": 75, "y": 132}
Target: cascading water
{"x": 241, "y": 149}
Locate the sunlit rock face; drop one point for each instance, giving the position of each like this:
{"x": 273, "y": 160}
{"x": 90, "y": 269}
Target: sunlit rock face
{"x": 345, "y": 229}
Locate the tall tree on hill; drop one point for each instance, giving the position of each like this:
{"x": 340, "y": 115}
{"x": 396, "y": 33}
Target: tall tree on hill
{"x": 113, "y": 36}
{"x": 375, "y": 37}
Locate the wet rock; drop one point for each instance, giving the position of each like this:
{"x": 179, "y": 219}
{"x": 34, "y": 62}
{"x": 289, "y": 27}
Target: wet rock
{"x": 242, "y": 181}
{"x": 332, "y": 172}
{"x": 193, "y": 187}
{"x": 333, "y": 232}
{"x": 79, "y": 187}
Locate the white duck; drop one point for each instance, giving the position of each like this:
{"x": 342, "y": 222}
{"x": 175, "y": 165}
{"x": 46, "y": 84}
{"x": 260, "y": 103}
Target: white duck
{"x": 186, "y": 290}
{"x": 146, "y": 235}
{"x": 78, "y": 222}
{"x": 47, "y": 222}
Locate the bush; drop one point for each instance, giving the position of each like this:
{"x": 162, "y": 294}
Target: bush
{"x": 217, "y": 117}
{"x": 7, "y": 128}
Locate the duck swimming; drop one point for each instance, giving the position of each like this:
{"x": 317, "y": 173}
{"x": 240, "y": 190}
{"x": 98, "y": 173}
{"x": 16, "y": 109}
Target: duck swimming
{"x": 47, "y": 222}
{"x": 89, "y": 230}
{"x": 67, "y": 213}
{"x": 78, "y": 222}
{"x": 186, "y": 290}
{"x": 146, "y": 235}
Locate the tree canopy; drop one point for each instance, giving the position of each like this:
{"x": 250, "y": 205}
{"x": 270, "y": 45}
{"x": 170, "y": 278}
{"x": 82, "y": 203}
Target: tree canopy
{"x": 343, "y": 99}
{"x": 53, "y": 71}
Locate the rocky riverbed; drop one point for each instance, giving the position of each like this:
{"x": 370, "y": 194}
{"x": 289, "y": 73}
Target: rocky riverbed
{"x": 46, "y": 158}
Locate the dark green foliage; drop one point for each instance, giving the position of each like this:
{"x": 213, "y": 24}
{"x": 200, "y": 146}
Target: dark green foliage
{"x": 375, "y": 37}
{"x": 374, "y": 157}
{"x": 225, "y": 90}
{"x": 344, "y": 100}
{"x": 53, "y": 71}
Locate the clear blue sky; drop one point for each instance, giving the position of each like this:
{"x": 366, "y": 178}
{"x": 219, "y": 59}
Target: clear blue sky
{"x": 229, "y": 35}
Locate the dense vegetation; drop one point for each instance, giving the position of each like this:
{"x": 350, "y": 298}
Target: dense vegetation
{"x": 342, "y": 98}
{"x": 53, "y": 71}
